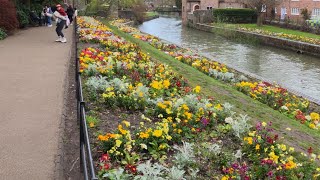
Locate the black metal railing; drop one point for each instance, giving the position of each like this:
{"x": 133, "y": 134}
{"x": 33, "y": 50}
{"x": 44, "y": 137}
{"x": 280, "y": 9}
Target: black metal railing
{"x": 86, "y": 162}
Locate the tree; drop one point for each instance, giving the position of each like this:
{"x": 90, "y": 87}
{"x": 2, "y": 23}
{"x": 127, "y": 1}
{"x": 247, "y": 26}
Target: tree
{"x": 261, "y": 6}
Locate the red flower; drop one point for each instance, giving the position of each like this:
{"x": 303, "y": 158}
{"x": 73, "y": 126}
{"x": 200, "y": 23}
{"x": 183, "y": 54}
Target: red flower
{"x": 310, "y": 150}
{"x": 105, "y": 157}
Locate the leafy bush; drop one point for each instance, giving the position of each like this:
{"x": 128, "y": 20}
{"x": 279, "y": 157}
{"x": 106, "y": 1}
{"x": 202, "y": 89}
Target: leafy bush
{"x": 23, "y": 18}
{"x": 2, "y": 34}
{"x": 8, "y": 16}
{"x": 305, "y": 14}
{"x": 235, "y": 15}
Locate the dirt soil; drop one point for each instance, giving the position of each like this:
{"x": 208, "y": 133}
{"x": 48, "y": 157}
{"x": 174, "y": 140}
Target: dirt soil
{"x": 71, "y": 141}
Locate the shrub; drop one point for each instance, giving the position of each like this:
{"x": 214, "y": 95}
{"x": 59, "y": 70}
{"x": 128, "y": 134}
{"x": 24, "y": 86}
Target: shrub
{"x": 8, "y": 16}
{"x": 305, "y": 14}
{"x": 22, "y": 18}
{"x": 2, "y": 34}
{"x": 139, "y": 10}
{"x": 235, "y": 15}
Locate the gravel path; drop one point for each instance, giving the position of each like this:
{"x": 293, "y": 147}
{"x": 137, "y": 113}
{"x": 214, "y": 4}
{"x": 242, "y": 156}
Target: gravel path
{"x": 32, "y": 75}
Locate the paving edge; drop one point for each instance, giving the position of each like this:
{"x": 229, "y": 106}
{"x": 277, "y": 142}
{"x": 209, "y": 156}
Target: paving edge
{"x": 59, "y": 156}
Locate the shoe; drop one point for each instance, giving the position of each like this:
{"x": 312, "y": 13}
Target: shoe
{"x": 59, "y": 39}
{"x": 50, "y": 25}
{"x": 63, "y": 40}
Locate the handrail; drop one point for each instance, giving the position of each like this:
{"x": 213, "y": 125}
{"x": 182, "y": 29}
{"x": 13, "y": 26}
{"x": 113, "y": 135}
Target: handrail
{"x": 86, "y": 160}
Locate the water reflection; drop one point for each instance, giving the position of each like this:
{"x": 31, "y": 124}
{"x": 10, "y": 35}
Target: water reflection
{"x": 295, "y": 71}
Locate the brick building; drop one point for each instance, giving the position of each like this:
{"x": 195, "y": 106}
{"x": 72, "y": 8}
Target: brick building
{"x": 292, "y": 9}
{"x": 287, "y": 9}
{"x": 188, "y": 6}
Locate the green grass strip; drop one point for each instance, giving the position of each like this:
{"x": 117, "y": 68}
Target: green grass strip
{"x": 300, "y": 136}
{"x": 273, "y": 29}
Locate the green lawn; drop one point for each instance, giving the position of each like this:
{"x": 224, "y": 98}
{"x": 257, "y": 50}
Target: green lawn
{"x": 273, "y": 29}
{"x": 151, "y": 14}
{"x": 301, "y": 137}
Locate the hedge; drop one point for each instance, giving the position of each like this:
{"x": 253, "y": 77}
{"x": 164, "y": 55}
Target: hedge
{"x": 235, "y": 15}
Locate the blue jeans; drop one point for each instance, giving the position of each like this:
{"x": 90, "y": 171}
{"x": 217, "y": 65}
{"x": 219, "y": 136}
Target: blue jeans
{"x": 48, "y": 20}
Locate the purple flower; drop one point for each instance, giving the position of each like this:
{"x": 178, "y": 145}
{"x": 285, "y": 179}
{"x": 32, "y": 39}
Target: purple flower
{"x": 205, "y": 121}
{"x": 270, "y": 174}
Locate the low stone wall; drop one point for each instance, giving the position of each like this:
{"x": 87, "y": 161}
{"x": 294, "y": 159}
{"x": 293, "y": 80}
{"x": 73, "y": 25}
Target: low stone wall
{"x": 299, "y": 47}
{"x": 200, "y": 16}
{"x": 126, "y": 14}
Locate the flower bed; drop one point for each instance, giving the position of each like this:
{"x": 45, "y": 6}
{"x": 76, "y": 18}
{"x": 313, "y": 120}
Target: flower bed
{"x": 166, "y": 129}
{"x": 271, "y": 94}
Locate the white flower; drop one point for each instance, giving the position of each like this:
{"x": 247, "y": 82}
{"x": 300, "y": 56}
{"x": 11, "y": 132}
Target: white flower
{"x": 143, "y": 146}
{"x": 229, "y": 120}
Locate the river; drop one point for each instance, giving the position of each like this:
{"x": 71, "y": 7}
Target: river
{"x": 298, "y": 72}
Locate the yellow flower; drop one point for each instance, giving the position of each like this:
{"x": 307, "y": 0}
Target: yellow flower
{"x": 122, "y": 131}
{"x": 248, "y": 139}
{"x": 225, "y": 177}
{"x": 166, "y": 83}
{"x": 162, "y": 146}
{"x": 144, "y": 135}
{"x": 91, "y": 124}
{"x": 218, "y": 106}
{"x": 264, "y": 124}
{"x": 290, "y": 165}
{"x": 126, "y": 123}
{"x": 283, "y": 147}
{"x": 188, "y": 115}
{"x": 157, "y": 133}
{"x": 312, "y": 126}
{"x": 197, "y": 89}
{"x": 169, "y": 138}
{"x": 179, "y": 131}
{"x": 314, "y": 116}
{"x": 257, "y": 146}
{"x": 291, "y": 149}
{"x": 273, "y": 157}
{"x": 118, "y": 143}
{"x": 156, "y": 84}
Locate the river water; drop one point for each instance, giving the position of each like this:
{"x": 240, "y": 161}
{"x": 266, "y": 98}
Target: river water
{"x": 298, "y": 72}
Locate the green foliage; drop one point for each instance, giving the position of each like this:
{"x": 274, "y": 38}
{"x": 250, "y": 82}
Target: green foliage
{"x": 22, "y": 14}
{"x": 235, "y": 15}
{"x": 305, "y": 14}
{"x": 117, "y": 174}
{"x": 23, "y": 18}
{"x": 3, "y": 34}
{"x": 150, "y": 171}
{"x": 179, "y": 4}
{"x": 97, "y": 5}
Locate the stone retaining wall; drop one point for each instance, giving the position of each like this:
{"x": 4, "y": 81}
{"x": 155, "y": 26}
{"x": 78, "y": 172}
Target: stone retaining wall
{"x": 299, "y": 47}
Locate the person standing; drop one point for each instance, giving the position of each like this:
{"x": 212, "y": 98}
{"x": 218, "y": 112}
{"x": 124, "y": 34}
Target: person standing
{"x": 48, "y": 18}
{"x": 61, "y": 17}
{"x": 70, "y": 12}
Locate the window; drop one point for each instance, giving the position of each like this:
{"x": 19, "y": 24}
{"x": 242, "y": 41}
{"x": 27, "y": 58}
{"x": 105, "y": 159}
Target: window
{"x": 316, "y": 12}
{"x": 275, "y": 10}
{"x": 264, "y": 8}
{"x": 295, "y": 11}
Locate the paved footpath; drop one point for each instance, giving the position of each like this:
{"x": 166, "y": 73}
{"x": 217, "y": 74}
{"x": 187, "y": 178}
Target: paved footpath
{"x": 32, "y": 74}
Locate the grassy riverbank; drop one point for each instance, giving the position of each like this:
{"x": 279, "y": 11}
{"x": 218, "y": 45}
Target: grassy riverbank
{"x": 269, "y": 28}
{"x": 300, "y": 137}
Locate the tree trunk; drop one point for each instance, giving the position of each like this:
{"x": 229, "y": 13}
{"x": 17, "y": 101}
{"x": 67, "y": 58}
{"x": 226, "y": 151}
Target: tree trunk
{"x": 260, "y": 19}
